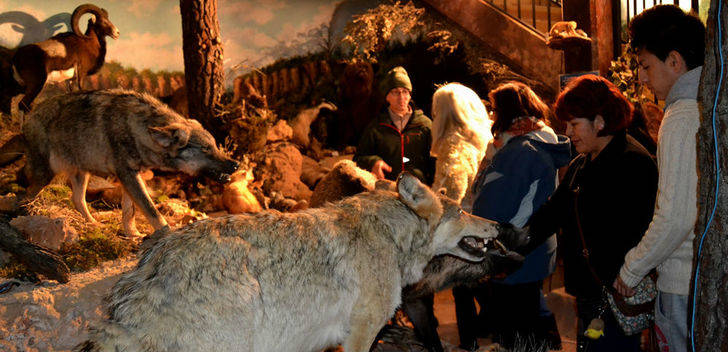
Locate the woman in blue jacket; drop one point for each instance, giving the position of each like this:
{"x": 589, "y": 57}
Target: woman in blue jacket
{"x": 520, "y": 177}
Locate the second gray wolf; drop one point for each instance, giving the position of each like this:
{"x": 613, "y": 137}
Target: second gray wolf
{"x": 115, "y": 133}
{"x": 445, "y": 271}
{"x": 287, "y": 281}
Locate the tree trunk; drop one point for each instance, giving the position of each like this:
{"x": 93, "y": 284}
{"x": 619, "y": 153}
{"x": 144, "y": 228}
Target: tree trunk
{"x": 711, "y": 316}
{"x": 202, "y": 48}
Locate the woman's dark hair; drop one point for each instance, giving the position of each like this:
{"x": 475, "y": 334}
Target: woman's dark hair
{"x": 664, "y": 28}
{"x": 639, "y": 131}
{"x": 588, "y": 96}
{"x": 513, "y": 100}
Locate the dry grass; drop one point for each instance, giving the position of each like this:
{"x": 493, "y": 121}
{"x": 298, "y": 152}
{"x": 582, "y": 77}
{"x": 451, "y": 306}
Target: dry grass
{"x": 96, "y": 243}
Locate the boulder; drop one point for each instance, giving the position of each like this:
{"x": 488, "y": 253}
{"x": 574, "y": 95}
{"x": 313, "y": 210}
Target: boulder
{"x": 312, "y": 172}
{"x": 47, "y": 232}
{"x": 9, "y": 203}
{"x": 279, "y": 132}
{"x": 344, "y": 180}
{"x": 279, "y": 202}
{"x": 279, "y": 169}
{"x": 329, "y": 162}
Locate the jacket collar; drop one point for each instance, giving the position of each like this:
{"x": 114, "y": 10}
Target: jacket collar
{"x": 417, "y": 119}
{"x": 686, "y": 87}
{"x": 614, "y": 147}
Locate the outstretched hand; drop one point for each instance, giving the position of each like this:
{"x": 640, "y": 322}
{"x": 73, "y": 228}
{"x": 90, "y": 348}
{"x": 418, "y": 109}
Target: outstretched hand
{"x": 379, "y": 168}
{"x": 622, "y": 288}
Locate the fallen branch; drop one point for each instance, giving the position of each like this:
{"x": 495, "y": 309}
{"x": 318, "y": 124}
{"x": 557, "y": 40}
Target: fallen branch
{"x": 34, "y": 257}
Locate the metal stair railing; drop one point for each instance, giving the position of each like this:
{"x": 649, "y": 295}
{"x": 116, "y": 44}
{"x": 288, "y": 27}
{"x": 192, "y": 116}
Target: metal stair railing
{"x": 633, "y": 6}
{"x": 524, "y": 8}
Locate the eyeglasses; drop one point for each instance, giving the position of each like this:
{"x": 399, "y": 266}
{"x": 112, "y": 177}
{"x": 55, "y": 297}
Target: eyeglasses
{"x": 402, "y": 92}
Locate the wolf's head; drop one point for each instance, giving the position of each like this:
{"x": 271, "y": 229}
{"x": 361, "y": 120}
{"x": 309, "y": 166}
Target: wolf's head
{"x": 191, "y": 149}
{"x": 453, "y": 230}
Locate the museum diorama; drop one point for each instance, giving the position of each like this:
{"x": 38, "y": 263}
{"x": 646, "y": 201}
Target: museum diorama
{"x": 363, "y": 175}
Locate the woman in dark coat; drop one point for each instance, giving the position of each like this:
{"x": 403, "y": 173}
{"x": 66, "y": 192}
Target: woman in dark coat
{"x": 609, "y": 191}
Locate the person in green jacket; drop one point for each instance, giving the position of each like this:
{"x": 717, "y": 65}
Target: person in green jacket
{"x": 399, "y": 138}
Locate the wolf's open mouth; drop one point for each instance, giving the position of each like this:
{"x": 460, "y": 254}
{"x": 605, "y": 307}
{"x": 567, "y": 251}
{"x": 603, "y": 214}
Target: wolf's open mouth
{"x": 474, "y": 246}
{"x": 223, "y": 178}
{"x": 479, "y": 246}
{"x": 217, "y": 176}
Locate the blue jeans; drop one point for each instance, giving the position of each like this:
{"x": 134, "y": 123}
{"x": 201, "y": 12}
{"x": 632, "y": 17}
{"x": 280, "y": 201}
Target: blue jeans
{"x": 671, "y": 318}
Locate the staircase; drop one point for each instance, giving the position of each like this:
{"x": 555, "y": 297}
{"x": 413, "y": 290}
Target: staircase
{"x": 537, "y": 14}
{"x": 520, "y": 36}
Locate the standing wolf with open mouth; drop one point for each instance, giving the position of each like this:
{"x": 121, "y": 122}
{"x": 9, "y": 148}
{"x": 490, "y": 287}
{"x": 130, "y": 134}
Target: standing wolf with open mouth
{"x": 288, "y": 281}
{"x": 113, "y": 133}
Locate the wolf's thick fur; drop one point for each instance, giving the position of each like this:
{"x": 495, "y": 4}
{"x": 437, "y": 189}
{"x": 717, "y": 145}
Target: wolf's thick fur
{"x": 286, "y": 281}
{"x": 119, "y": 133}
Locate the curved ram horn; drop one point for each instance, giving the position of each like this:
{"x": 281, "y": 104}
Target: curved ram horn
{"x": 79, "y": 11}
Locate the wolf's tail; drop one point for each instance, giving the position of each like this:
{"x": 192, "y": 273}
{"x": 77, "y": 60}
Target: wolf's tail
{"x": 12, "y": 150}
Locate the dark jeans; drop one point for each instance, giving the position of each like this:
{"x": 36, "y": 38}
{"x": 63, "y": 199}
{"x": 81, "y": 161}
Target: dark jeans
{"x": 613, "y": 340}
{"x": 508, "y": 311}
{"x": 469, "y": 328}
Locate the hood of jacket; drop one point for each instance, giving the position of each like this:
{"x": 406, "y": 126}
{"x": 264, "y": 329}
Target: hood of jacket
{"x": 686, "y": 86}
{"x": 557, "y": 146}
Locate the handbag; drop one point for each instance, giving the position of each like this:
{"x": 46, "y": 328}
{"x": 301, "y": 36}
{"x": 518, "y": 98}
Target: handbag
{"x": 635, "y": 313}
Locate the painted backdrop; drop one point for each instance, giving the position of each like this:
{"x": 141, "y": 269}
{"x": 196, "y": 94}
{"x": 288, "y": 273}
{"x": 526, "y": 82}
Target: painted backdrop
{"x": 255, "y": 32}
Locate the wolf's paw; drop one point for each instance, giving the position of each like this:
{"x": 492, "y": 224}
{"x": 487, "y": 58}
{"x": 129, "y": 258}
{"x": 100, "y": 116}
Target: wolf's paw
{"x": 135, "y": 235}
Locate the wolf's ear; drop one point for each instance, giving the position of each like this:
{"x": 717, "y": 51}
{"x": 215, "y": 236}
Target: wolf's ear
{"x": 418, "y": 197}
{"x": 173, "y": 136}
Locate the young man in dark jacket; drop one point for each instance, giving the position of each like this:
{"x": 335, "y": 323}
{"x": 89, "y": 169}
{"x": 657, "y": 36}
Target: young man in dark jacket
{"x": 399, "y": 138}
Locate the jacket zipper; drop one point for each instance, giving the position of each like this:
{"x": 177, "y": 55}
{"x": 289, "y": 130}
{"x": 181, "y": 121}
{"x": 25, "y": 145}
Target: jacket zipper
{"x": 401, "y": 142}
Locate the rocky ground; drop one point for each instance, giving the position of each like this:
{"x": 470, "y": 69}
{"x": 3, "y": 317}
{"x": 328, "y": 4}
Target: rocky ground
{"x": 51, "y": 317}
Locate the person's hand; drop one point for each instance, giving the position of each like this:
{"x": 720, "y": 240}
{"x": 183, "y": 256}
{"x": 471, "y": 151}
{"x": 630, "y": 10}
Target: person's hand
{"x": 622, "y": 288}
{"x": 379, "y": 168}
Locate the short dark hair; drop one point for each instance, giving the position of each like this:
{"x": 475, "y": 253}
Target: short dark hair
{"x": 664, "y": 28}
{"x": 513, "y": 100}
{"x": 588, "y": 96}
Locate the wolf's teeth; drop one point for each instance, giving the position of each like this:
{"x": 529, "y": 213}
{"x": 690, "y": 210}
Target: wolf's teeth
{"x": 500, "y": 246}
{"x": 471, "y": 242}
